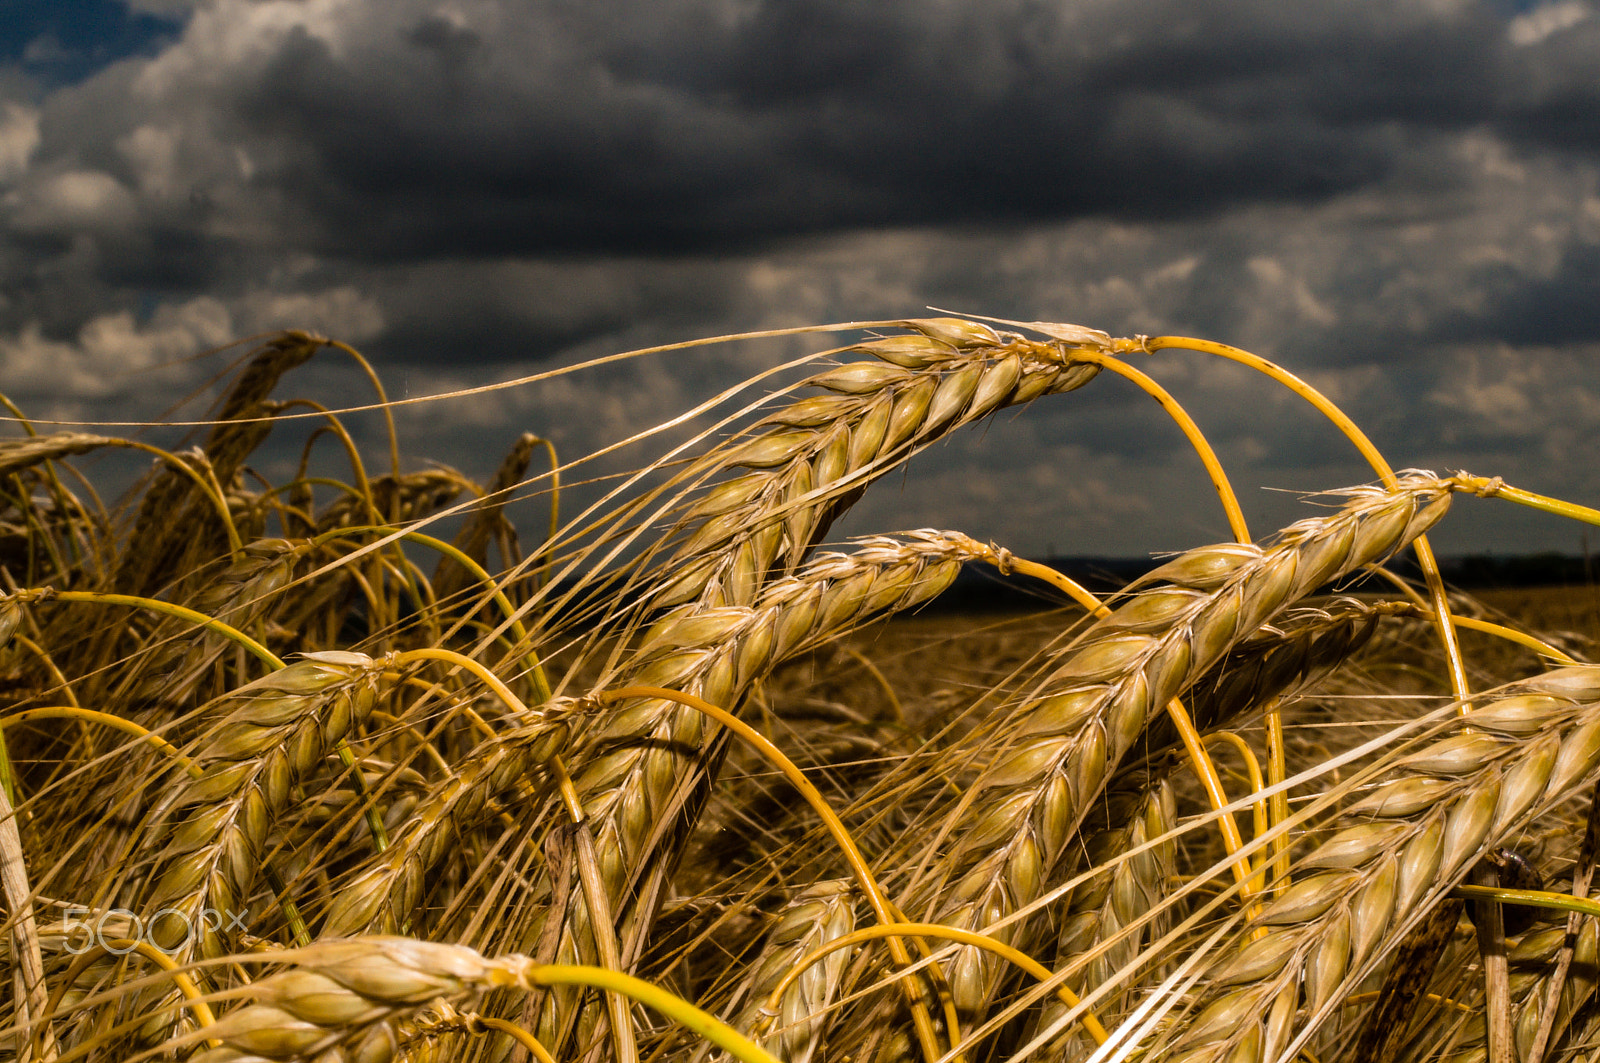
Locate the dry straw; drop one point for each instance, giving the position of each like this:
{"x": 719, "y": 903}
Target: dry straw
{"x": 1028, "y": 853}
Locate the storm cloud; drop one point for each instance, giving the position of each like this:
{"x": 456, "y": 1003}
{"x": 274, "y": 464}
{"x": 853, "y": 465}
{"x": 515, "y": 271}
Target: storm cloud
{"x": 1398, "y": 199}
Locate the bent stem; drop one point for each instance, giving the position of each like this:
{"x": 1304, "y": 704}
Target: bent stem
{"x": 380, "y": 836}
{"x": 383, "y": 403}
{"x": 462, "y": 661}
{"x": 673, "y": 1007}
{"x": 1191, "y": 431}
{"x": 195, "y": 1000}
{"x": 1199, "y": 760}
{"x": 517, "y": 1034}
{"x": 75, "y": 712}
{"x": 155, "y": 605}
{"x": 535, "y": 667}
{"x": 1091, "y": 1024}
{"x": 208, "y": 486}
{"x": 1424, "y": 550}
{"x": 542, "y": 572}
{"x": 291, "y": 911}
{"x": 841, "y": 835}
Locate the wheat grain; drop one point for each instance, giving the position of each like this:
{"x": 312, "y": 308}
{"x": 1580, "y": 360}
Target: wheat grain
{"x": 19, "y": 454}
{"x": 818, "y": 914}
{"x": 343, "y": 997}
{"x": 388, "y": 893}
{"x": 817, "y": 453}
{"x": 1104, "y": 905}
{"x": 1412, "y": 839}
{"x": 282, "y": 727}
{"x": 1069, "y": 734}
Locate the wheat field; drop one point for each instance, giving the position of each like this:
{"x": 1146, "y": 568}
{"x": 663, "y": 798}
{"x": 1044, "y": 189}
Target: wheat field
{"x": 286, "y": 774}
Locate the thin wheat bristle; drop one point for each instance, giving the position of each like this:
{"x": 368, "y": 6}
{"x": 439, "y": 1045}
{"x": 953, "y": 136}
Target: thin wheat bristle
{"x": 285, "y": 763}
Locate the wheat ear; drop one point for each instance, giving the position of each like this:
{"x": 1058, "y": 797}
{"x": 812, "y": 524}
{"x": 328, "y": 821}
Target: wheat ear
{"x": 1071, "y": 733}
{"x": 816, "y": 454}
{"x": 1410, "y": 841}
{"x": 282, "y": 727}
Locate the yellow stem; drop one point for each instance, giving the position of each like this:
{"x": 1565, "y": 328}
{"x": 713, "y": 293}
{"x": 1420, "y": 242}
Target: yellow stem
{"x": 1241, "y": 531}
{"x": 1494, "y": 487}
{"x": 207, "y": 484}
{"x": 847, "y": 844}
{"x": 543, "y": 571}
{"x": 1252, "y": 768}
{"x": 673, "y": 1007}
{"x": 517, "y": 1034}
{"x": 1059, "y": 580}
{"x": 1232, "y": 840}
{"x": 155, "y": 605}
{"x": 383, "y": 403}
{"x": 49, "y": 666}
{"x": 540, "y": 684}
{"x": 1564, "y": 902}
{"x": 1199, "y": 760}
{"x": 74, "y": 712}
{"x": 1363, "y": 998}
{"x": 1278, "y": 804}
{"x": 358, "y": 468}
{"x": 934, "y": 930}
{"x": 1488, "y": 627}
{"x": 1180, "y": 416}
{"x": 1419, "y": 607}
{"x": 1380, "y": 465}
{"x": 196, "y": 1000}
{"x": 460, "y": 660}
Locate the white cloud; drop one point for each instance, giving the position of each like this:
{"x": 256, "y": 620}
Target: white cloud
{"x": 152, "y": 151}
{"x": 1546, "y": 20}
{"x": 113, "y": 353}
{"x": 19, "y": 138}
{"x": 70, "y": 202}
{"x": 1285, "y": 296}
{"x": 341, "y": 313}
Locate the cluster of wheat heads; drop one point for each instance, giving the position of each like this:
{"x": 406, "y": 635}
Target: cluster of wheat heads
{"x": 286, "y": 774}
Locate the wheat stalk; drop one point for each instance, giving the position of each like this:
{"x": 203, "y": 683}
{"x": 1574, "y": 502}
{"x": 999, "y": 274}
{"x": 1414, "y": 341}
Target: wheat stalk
{"x": 1069, "y": 734}
{"x": 1410, "y": 840}
{"x": 281, "y": 728}
{"x": 818, "y": 914}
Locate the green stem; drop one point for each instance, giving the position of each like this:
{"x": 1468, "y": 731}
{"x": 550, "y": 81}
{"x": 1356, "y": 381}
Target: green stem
{"x": 1494, "y": 487}
{"x": 1564, "y": 902}
{"x": 673, "y": 1007}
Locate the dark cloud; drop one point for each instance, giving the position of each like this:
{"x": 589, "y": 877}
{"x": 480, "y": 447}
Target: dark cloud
{"x": 1401, "y": 201}
{"x": 638, "y": 128}
{"x": 1552, "y": 93}
{"x": 1560, "y": 308}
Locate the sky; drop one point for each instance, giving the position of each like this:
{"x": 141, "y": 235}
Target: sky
{"x": 1397, "y": 199}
